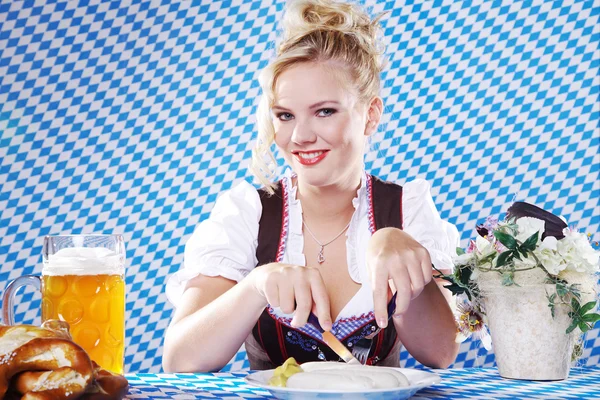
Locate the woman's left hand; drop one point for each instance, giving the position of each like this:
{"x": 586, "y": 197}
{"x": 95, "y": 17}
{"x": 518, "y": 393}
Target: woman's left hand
{"x": 394, "y": 257}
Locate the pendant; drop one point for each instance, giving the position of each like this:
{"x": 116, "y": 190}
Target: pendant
{"x": 321, "y": 257}
{"x": 321, "y": 355}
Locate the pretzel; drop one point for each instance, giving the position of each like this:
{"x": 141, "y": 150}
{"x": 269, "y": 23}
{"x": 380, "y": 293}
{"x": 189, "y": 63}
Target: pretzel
{"x": 45, "y": 364}
{"x": 106, "y": 385}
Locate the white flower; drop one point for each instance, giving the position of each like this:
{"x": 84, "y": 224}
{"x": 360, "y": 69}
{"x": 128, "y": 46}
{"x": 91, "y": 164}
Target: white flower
{"x": 484, "y": 247}
{"x": 577, "y": 252}
{"x": 549, "y": 243}
{"x": 469, "y": 322}
{"x": 463, "y": 259}
{"x": 527, "y": 226}
{"x": 547, "y": 253}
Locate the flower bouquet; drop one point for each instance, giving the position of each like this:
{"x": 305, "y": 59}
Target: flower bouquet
{"x": 533, "y": 281}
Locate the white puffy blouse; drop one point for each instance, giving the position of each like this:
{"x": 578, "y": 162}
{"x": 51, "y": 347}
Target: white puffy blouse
{"x": 225, "y": 243}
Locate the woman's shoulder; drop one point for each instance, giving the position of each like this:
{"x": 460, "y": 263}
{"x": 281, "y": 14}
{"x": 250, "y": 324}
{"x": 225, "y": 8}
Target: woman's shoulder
{"x": 242, "y": 189}
{"x": 241, "y": 195}
{"x": 417, "y": 188}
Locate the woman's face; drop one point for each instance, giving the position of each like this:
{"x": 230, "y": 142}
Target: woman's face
{"x": 320, "y": 125}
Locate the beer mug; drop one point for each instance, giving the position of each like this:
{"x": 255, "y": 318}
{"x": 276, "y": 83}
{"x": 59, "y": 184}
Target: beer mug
{"x": 82, "y": 283}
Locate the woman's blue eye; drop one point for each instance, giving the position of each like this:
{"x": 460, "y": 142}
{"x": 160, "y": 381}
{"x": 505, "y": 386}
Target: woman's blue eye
{"x": 326, "y": 112}
{"x": 284, "y": 116}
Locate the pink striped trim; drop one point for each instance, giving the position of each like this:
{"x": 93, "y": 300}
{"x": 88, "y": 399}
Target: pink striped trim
{"x": 285, "y": 219}
{"x": 371, "y": 213}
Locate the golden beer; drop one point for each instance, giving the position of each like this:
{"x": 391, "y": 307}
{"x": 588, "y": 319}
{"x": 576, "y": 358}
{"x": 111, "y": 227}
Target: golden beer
{"x": 94, "y": 307}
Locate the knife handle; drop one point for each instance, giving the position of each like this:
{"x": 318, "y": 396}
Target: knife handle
{"x": 391, "y": 308}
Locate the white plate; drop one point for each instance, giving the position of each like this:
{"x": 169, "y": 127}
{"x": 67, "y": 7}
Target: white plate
{"x": 418, "y": 380}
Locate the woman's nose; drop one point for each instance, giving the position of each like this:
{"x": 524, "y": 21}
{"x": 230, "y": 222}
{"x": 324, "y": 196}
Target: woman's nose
{"x": 303, "y": 133}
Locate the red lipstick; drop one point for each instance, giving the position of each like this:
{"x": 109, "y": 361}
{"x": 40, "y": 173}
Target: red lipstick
{"x": 311, "y": 160}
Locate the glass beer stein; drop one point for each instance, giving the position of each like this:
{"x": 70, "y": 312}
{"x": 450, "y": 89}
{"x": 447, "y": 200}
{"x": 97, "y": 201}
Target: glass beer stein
{"x": 82, "y": 283}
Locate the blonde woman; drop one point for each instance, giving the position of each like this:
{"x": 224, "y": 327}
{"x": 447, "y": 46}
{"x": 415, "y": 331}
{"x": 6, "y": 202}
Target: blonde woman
{"x": 327, "y": 237}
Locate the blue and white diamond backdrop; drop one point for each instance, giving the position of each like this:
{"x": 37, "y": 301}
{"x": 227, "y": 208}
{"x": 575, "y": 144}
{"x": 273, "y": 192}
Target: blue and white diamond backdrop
{"x": 132, "y": 116}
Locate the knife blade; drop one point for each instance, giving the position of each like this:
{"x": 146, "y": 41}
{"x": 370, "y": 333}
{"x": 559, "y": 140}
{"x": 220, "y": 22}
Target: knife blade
{"x": 333, "y": 342}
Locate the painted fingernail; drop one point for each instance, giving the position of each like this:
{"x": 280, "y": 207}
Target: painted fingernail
{"x": 382, "y": 322}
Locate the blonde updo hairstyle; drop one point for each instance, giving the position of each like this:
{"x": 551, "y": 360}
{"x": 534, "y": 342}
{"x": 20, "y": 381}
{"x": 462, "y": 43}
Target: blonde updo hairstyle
{"x": 320, "y": 31}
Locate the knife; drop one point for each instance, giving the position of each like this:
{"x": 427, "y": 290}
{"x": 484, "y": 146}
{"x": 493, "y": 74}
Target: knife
{"x": 337, "y": 346}
{"x": 333, "y": 342}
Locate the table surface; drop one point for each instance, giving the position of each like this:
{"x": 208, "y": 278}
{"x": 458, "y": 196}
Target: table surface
{"x": 470, "y": 383}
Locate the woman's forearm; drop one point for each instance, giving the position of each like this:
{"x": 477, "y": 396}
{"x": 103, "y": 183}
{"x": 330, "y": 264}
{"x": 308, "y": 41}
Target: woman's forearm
{"x": 206, "y": 339}
{"x": 427, "y": 329}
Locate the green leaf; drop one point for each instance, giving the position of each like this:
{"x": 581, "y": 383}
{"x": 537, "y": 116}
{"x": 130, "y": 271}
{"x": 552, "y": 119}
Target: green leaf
{"x": 457, "y": 289}
{"x": 561, "y": 289}
{"x": 464, "y": 275}
{"x": 591, "y": 317}
{"x": 587, "y": 307}
{"x": 508, "y": 278}
{"x": 504, "y": 258}
{"x": 507, "y": 240}
{"x": 531, "y": 243}
{"x": 516, "y": 254}
{"x": 584, "y": 327}
{"x": 572, "y": 327}
{"x": 551, "y": 304}
{"x": 575, "y": 305}
{"x": 524, "y": 253}
{"x": 454, "y": 287}
{"x": 460, "y": 251}
{"x": 575, "y": 292}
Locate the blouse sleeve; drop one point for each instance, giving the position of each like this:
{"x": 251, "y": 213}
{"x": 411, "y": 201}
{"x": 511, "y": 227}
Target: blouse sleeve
{"x": 224, "y": 244}
{"x": 422, "y": 221}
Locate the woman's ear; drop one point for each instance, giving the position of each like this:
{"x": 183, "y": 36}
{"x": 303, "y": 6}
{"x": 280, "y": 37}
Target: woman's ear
{"x": 374, "y": 112}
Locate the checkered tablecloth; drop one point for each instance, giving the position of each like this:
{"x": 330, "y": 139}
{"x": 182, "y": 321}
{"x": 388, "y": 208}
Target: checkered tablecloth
{"x": 470, "y": 383}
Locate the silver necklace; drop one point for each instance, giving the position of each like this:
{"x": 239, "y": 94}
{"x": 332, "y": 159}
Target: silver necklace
{"x": 321, "y": 256}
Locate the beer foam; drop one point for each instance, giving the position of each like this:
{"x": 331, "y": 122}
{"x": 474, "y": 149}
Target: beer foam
{"x": 84, "y": 261}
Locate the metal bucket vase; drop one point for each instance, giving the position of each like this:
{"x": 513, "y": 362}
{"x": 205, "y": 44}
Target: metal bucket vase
{"x": 528, "y": 343}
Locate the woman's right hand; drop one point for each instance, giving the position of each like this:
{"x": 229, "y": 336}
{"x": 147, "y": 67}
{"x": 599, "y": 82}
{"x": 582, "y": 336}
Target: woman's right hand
{"x": 294, "y": 289}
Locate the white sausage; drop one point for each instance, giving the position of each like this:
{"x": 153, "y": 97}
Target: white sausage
{"x": 338, "y": 376}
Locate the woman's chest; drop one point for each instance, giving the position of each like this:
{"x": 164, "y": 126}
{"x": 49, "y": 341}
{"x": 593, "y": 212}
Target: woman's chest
{"x": 341, "y": 288}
